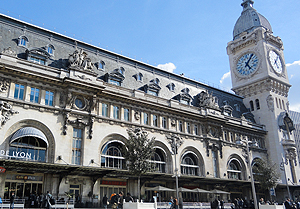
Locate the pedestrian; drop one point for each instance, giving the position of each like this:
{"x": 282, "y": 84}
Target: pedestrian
{"x": 12, "y": 200}
{"x": 172, "y": 203}
{"x": 128, "y": 198}
{"x": 176, "y": 203}
{"x": 222, "y": 204}
{"x": 287, "y": 204}
{"x": 104, "y": 201}
{"x": 120, "y": 200}
{"x": 48, "y": 200}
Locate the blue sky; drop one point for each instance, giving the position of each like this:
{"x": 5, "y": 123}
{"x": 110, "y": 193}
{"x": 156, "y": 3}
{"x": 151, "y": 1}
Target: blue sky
{"x": 184, "y": 36}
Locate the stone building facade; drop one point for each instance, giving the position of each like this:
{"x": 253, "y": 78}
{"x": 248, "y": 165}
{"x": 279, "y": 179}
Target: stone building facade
{"x": 66, "y": 106}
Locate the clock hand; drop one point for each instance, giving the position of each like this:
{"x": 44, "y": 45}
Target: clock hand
{"x": 247, "y": 63}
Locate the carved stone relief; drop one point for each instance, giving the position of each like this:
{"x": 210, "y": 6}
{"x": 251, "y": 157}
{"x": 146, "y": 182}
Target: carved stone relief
{"x": 270, "y": 102}
{"x": 80, "y": 60}
{"x": 137, "y": 115}
{"x": 290, "y": 154}
{"x": 175, "y": 141}
{"x": 208, "y": 100}
{"x": 4, "y": 84}
{"x": 9, "y": 51}
{"x": 6, "y": 112}
{"x": 173, "y": 122}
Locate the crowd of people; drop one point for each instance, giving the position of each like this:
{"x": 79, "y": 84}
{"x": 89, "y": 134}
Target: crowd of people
{"x": 116, "y": 200}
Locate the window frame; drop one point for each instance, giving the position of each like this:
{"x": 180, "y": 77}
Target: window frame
{"x": 34, "y": 95}
{"x": 77, "y": 142}
{"x": 49, "y": 94}
{"x": 19, "y": 92}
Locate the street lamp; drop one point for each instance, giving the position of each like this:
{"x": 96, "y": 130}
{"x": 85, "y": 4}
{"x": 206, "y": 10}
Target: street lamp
{"x": 175, "y": 142}
{"x": 251, "y": 173}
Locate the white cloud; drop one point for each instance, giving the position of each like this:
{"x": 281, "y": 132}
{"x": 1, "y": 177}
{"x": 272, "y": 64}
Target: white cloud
{"x": 294, "y": 63}
{"x": 226, "y": 75}
{"x": 170, "y": 67}
{"x": 295, "y": 107}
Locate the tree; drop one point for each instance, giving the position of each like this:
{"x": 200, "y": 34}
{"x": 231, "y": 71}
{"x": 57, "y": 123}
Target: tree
{"x": 138, "y": 150}
{"x": 266, "y": 173}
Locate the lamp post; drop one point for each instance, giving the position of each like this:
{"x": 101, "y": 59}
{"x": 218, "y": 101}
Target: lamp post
{"x": 251, "y": 173}
{"x": 175, "y": 142}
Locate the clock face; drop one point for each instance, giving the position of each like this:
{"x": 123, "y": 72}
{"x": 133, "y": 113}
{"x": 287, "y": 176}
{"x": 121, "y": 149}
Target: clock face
{"x": 275, "y": 61}
{"x": 247, "y": 64}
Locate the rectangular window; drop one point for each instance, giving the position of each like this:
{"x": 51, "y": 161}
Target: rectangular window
{"x": 180, "y": 126}
{"x": 49, "y": 98}
{"x": 155, "y": 122}
{"x": 215, "y": 163}
{"x": 154, "y": 93}
{"x": 34, "y": 95}
{"x": 19, "y": 91}
{"x": 76, "y": 146}
{"x": 104, "y": 110}
{"x": 231, "y": 137}
{"x": 37, "y": 60}
{"x": 188, "y": 128}
{"x": 146, "y": 118}
{"x": 225, "y": 136}
{"x": 118, "y": 83}
{"x": 116, "y": 112}
{"x": 126, "y": 114}
{"x": 196, "y": 131}
{"x": 164, "y": 122}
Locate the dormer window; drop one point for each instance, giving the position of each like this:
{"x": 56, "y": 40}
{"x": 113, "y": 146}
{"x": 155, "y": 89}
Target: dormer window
{"x": 50, "y": 49}
{"x": 139, "y": 77}
{"x": 184, "y": 97}
{"x": 153, "y": 88}
{"x": 115, "y": 77}
{"x": 101, "y": 65}
{"x": 171, "y": 86}
{"x": 156, "y": 80}
{"x": 122, "y": 70}
{"x": 38, "y": 55}
{"x": 23, "y": 40}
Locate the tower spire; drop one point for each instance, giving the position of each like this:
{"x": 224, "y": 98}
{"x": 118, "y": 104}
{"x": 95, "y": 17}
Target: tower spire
{"x": 247, "y": 4}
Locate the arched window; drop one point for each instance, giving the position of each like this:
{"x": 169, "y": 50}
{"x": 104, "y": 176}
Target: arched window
{"x": 28, "y": 144}
{"x": 159, "y": 161}
{"x": 23, "y": 40}
{"x": 276, "y": 102}
{"x": 251, "y": 106}
{"x": 112, "y": 156}
{"x": 257, "y": 104}
{"x": 189, "y": 165}
{"x": 101, "y": 65}
{"x": 50, "y": 49}
{"x": 122, "y": 70}
{"x": 139, "y": 77}
{"x": 234, "y": 170}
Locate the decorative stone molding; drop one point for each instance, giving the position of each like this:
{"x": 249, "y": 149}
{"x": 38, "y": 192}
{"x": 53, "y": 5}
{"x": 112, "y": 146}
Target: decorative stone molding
{"x": 8, "y": 51}
{"x": 290, "y": 154}
{"x": 6, "y": 112}
{"x": 273, "y": 40}
{"x": 214, "y": 146}
{"x": 242, "y": 43}
{"x": 208, "y": 100}
{"x": 226, "y": 109}
{"x": 83, "y": 77}
{"x": 175, "y": 141}
{"x": 4, "y": 84}
{"x": 261, "y": 86}
{"x": 184, "y": 96}
{"x": 270, "y": 102}
{"x": 79, "y": 60}
{"x": 173, "y": 122}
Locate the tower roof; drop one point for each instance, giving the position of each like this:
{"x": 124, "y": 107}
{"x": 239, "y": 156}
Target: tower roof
{"x": 249, "y": 20}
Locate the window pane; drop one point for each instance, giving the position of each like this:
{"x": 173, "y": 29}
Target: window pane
{"x": 126, "y": 114}
{"x": 104, "y": 110}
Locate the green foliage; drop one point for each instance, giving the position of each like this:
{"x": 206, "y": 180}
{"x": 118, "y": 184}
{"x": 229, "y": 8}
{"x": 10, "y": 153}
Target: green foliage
{"x": 138, "y": 150}
{"x": 266, "y": 174}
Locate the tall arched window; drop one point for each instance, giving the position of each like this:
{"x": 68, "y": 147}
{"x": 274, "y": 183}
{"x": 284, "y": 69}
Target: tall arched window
{"x": 189, "y": 165}
{"x": 251, "y": 106}
{"x": 23, "y": 40}
{"x": 28, "y": 144}
{"x": 112, "y": 156}
{"x": 159, "y": 161}
{"x": 257, "y": 104}
{"x": 234, "y": 170}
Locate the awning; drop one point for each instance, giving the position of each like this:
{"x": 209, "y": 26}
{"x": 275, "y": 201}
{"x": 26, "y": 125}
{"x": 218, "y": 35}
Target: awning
{"x": 28, "y": 131}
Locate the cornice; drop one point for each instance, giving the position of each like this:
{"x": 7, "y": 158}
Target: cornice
{"x": 267, "y": 84}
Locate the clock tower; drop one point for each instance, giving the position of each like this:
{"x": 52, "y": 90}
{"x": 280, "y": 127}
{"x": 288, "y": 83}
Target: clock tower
{"x": 259, "y": 74}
